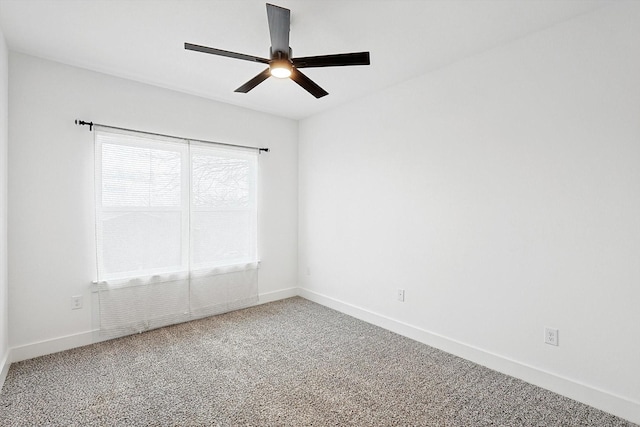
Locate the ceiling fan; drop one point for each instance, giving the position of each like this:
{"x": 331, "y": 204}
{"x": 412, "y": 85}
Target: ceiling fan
{"x": 282, "y": 64}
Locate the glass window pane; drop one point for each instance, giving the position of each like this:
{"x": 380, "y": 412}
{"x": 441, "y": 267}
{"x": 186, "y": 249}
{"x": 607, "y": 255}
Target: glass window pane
{"x": 220, "y": 182}
{"x": 223, "y": 238}
{"x": 143, "y": 177}
{"x": 141, "y": 242}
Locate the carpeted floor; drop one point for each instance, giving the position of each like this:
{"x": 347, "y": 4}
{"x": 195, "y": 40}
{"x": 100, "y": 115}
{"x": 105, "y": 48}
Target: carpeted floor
{"x": 287, "y": 363}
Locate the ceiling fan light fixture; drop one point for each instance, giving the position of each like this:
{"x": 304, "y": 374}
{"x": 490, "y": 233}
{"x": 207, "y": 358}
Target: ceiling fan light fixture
{"x": 280, "y": 68}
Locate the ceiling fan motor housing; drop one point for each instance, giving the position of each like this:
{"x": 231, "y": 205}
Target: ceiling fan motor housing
{"x": 280, "y": 55}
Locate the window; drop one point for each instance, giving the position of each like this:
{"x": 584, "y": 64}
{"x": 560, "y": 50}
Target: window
{"x": 178, "y": 213}
{"x": 169, "y": 207}
{"x": 223, "y": 208}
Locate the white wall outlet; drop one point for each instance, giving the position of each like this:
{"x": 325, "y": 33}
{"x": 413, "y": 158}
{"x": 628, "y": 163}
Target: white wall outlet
{"x": 400, "y": 295}
{"x": 551, "y": 336}
{"x": 76, "y": 302}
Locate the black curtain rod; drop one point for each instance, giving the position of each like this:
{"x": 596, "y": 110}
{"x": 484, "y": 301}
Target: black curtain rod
{"x": 91, "y": 125}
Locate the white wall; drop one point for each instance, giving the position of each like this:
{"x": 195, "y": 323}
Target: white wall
{"x": 503, "y": 194}
{"x": 51, "y": 219}
{"x": 4, "y": 331}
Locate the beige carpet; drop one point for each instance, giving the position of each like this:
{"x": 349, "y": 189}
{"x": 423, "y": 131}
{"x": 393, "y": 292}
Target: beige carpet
{"x": 287, "y": 363}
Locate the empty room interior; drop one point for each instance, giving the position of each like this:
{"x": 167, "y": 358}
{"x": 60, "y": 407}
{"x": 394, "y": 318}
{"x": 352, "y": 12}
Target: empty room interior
{"x": 320, "y": 212}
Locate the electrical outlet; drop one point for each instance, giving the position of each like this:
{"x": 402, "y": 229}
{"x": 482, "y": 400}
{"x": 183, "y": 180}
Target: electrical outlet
{"x": 551, "y": 336}
{"x": 401, "y": 295}
{"x": 76, "y": 302}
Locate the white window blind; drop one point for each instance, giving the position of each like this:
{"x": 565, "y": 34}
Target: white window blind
{"x": 176, "y": 230}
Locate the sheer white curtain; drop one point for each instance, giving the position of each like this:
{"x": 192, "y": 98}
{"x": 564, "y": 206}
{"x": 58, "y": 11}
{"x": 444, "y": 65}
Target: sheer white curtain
{"x": 176, "y": 230}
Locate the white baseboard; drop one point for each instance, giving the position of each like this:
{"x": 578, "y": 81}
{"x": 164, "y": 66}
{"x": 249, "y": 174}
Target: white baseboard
{"x": 42, "y": 348}
{"x": 277, "y": 295}
{"x": 5, "y": 363}
{"x": 592, "y": 396}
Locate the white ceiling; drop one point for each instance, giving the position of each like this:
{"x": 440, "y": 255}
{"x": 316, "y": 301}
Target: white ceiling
{"x": 144, "y": 40}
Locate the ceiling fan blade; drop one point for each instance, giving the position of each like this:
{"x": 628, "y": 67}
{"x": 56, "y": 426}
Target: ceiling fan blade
{"x": 220, "y": 52}
{"x": 279, "y": 24}
{"x": 338, "y": 60}
{"x": 308, "y": 84}
{"x": 254, "y": 82}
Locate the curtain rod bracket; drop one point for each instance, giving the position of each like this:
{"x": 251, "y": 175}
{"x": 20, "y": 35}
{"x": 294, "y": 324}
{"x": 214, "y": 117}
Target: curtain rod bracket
{"x": 83, "y": 123}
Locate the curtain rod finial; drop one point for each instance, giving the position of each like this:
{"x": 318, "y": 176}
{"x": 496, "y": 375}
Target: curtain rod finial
{"x": 82, "y": 123}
